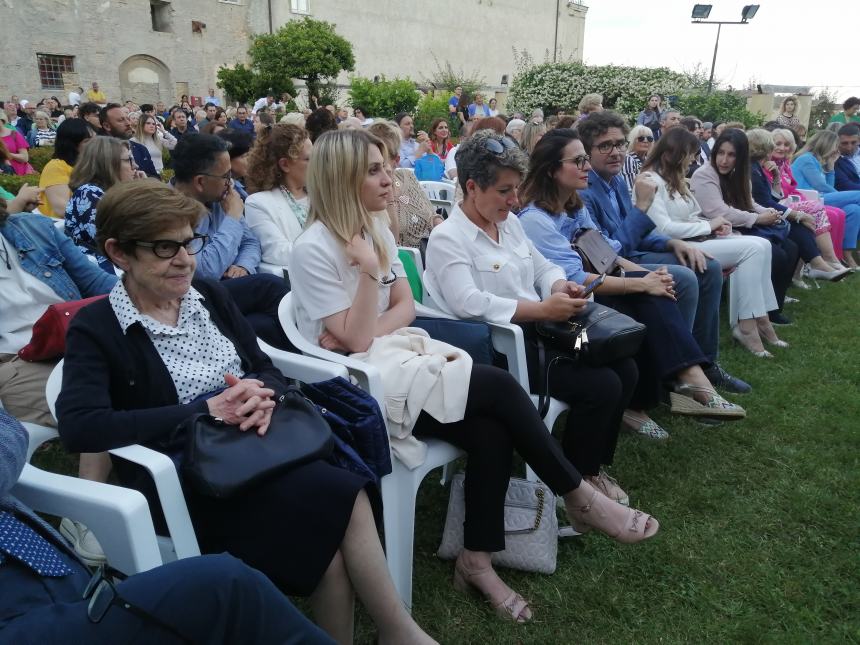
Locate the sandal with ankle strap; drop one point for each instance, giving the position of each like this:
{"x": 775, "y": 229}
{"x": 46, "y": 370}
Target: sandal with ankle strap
{"x": 635, "y": 528}
{"x": 683, "y": 401}
{"x": 511, "y": 608}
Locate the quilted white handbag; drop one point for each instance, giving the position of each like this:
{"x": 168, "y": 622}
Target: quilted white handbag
{"x": 531, "y": 526}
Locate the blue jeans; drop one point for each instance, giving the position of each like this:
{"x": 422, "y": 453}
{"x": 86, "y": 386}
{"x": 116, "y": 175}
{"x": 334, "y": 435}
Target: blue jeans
{"x": 698, "y": 297}
{"x": 849, "y": 201}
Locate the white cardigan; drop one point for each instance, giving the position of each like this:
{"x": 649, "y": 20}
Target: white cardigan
{"x": 273, "y": 221}
{"x": 418, "y": 373}
{"x": 676, "y": 216}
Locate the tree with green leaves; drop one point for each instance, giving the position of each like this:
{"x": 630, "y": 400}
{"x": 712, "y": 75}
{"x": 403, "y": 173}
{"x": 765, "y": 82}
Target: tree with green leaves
{"x": 383, "y": 98}
{"x": 307, "y": 49}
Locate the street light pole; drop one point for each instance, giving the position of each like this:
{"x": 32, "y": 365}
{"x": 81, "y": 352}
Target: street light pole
{"x": 714, "y": 61}
{"x": 701, "y": 11}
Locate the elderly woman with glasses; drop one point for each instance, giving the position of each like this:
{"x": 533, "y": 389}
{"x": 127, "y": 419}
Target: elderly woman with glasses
{"x": 640, "y": 140}
{"x": 351, "y": 291}
{"x": 164, "y": 346}
{"x": 104, "y": 162}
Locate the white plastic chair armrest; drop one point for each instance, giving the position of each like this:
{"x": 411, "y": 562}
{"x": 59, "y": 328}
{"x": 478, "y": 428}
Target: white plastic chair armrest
{"x": 507, "y": 339}
{"x": 38, "y": 436}
{"x": 163, "y": 472}
{"x": 302, "y": 368}
{"x": 809, "y": 194}
{"x": 119, "y": 517}
{"x": 368, "y": 377}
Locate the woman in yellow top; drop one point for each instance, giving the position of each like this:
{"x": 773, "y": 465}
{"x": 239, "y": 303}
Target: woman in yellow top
{"x": 72, "y": 135}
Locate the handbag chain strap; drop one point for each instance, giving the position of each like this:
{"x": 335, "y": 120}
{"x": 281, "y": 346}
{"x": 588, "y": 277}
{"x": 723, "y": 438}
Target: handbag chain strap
{"x": 541, "y": 497}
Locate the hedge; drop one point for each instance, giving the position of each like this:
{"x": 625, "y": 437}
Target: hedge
{"x": 40, "y": 156}
{"x": 13, "y": 183}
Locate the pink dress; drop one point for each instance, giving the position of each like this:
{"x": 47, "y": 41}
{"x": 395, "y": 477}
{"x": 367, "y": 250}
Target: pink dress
{"x": 827, "y": 218}
{"x": 15, "y": 143}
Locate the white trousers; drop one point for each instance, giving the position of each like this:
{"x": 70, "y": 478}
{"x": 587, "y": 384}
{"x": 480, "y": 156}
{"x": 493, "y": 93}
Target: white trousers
{"x": 750, "y": 257}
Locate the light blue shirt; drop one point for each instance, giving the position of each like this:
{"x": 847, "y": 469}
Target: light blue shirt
{"x": 552, "y": 236}
{"x": 230, "y": 242}
{"x": 407, "y": 153}
{"x": 811, "y": 176}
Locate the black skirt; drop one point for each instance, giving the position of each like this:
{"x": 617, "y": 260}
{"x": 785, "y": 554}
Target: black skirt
{"x": 289, "y": 527}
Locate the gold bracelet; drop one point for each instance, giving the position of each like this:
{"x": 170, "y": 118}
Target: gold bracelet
{"x": 371, "y": 276}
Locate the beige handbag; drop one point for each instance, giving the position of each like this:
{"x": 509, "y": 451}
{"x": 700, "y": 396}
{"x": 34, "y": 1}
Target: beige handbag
{"x": 531, "y": 526}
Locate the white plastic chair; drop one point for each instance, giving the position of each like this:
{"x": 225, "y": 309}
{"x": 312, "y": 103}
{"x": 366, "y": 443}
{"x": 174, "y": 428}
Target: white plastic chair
{"x": 119, "y": 516}
{"x": 440, "y": 194}
{"x": 182, "y": 541}
{"x": 400, "y": 487}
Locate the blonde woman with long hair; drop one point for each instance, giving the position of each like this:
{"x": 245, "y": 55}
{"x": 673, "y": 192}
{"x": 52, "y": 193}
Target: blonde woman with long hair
{"x": 350, "y": 289}
{"x": 150, "y": 133}
{"x": 813, "y": 169}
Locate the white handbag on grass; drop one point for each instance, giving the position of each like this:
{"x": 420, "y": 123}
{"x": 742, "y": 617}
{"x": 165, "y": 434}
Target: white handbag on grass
{"x": 531, "y": 526}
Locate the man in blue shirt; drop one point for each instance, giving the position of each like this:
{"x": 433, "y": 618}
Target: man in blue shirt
{"x": 478, "y": 109}
{"x": 242, "y": 122}
{"x": 201, "y": 163}
{"x": 454, "y": 101}
{"x": 609, "y": 203}
{"x": 207, "y": 599}
{"x": 847, "y": 177}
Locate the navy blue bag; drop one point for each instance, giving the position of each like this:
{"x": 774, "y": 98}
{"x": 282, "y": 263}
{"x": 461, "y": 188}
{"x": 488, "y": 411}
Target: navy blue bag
{"x": 361, "y": 438}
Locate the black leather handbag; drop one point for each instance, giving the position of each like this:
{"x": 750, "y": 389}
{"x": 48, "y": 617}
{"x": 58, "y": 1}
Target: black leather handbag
{"x": 599, "y": 336}
{"x": 222, "y": 461}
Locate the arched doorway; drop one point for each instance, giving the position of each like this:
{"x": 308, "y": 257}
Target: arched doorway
{"x": 145, "y": 79}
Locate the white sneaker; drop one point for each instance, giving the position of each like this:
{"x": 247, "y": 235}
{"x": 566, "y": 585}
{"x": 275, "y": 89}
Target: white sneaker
{"x": 84, "y": 542}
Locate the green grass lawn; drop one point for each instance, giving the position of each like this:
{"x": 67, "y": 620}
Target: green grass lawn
{"x": 759, "y": 519}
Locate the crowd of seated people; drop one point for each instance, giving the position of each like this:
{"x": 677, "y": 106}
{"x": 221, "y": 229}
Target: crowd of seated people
{"x": 327, "y": 198}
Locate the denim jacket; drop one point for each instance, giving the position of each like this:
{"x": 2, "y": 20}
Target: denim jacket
{"x": 48, "y": 255}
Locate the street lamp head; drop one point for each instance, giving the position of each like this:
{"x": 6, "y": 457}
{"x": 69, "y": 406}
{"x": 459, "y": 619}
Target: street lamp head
{"x": 749, "y": 12}
{"x": 701, "y": 11}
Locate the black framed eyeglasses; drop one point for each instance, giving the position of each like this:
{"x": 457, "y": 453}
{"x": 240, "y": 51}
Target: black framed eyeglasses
{"x": 225, "y": 178}
{"x": 645, "y": 138}
{"x": 167, "y": 249}
{"x": 498, "y": 146}
{"x": 580, "y": 161}
{"x": 102, "y": 595}
{"x": 607, "y": 146}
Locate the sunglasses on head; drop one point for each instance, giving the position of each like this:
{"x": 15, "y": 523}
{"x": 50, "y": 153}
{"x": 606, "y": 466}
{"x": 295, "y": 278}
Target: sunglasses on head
{"x": 644, "y": 139}
{"x": 498, "y": 146}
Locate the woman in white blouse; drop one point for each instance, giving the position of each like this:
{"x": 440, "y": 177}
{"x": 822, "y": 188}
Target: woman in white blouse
{"x": 677, "y": 214}
{"x": 350, "y": 288}
{"x": 277, "y": 207}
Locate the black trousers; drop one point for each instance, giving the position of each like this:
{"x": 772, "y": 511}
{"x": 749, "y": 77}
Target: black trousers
{"x": 668, "y": 347}
{"x": 805, "y": 240}
{"x": 500, "y": 418}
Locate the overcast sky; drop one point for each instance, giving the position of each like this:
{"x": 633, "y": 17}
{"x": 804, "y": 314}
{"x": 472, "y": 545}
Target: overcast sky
{"x": 787, "y": 43}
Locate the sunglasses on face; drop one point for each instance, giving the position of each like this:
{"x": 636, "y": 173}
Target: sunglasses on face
{"x": 167, "y": 249}
{"x": 644, "y": 139}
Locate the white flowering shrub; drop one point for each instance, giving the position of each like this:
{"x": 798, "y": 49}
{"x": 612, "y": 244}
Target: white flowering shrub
{"x": 562, "y": 85}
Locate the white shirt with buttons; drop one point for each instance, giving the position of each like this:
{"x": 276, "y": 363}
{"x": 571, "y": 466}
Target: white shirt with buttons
{"x": 195, "y": 352}
{"x": 470, "y": 275}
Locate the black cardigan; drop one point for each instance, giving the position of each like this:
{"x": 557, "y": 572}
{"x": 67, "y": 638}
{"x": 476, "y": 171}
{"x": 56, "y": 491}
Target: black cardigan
{"x": 116, "y": 389}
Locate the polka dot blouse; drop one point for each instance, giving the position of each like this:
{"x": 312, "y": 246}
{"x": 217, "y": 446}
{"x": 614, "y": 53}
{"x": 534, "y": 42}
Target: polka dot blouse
{"x": 195, "y": 352}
